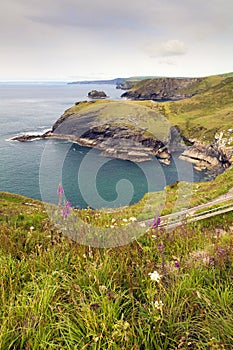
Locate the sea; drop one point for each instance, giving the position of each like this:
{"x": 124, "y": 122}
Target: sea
{"x": 36, "y": 168}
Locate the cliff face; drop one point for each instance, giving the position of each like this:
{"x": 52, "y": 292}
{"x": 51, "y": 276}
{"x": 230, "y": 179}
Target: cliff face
{"x": 129, "y": 144}
{"x": 125, "y": 130}
{"x": 116, "y": 141}
{"x": 211, "y": 157}
{"x": 163, "y": 89}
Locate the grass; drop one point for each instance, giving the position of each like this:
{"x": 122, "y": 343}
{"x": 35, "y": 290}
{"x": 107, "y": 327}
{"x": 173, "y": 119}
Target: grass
{"x": 205, "y": 114}
{"x": 58, "y": 294}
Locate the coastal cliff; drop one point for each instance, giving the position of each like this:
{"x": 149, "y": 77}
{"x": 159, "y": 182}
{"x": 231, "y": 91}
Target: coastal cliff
{"x": 163, "y": 89}
{"x": 212, "y": 157}
{"x": 107, "y": 127}
{"x": 199, "y": 126}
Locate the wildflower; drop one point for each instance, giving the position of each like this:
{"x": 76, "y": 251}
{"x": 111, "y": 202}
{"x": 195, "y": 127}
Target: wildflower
{"x": 124, "y": 220}
{"x": 94, "y": 306}
{"x": 156, "y": 222}
{"x": 158, "y": 304}
{"x": 102, "y": 288}
{"x": 161, "y": 247}
{"x": 154, "y": 276}
{"x": 133, "y": 219}
{"x": 60, "y": 190}
{"x": 220, "y": 251}
{"x": 32, "y": 228}
{"x": 66, "y": 209}
{"x": 142, "y": 224}
{"x": 177, "y": 264}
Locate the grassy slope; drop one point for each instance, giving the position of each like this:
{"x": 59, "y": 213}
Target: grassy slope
{"x": 204, "y": 114}
{"x": 57, "y": 294}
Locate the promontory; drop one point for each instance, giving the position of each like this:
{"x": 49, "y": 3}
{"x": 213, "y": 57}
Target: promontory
{"x": 193, "y": 116}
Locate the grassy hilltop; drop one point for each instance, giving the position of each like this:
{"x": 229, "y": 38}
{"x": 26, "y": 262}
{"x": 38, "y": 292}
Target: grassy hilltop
{"x": 205, "y": 113}
{"x": 209, "y": 110}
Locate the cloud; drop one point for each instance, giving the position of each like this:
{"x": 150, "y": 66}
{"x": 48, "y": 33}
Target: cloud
{"x": 65, "y": 37}
{"x": 167, "y": 48}
{"x": 168, "y": 61}
{"x": 172, "y": 48}
{"x": 88, "y": 14}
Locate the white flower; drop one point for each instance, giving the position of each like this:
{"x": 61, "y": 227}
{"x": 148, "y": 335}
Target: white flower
{"x": 132, "y": 218}
{"x": 142, "y": 224}
{"x": 154, "y": 276}
{"x": 124, "y": 220}
{"x": 158, "y": 304}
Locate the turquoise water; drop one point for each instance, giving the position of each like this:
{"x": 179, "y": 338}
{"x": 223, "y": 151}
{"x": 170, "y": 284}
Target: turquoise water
{"x": 34, "y": 168}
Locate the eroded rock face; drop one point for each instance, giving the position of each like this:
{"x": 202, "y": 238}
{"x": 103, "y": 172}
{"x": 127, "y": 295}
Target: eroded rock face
{"x": 208, "y": 157}
{"x": 163, "y": 89}
{"x": 94, "y": 94}
{"x": 128, "y": 144}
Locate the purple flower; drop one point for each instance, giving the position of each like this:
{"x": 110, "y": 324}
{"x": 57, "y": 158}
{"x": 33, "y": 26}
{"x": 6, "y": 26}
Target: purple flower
{"x": 66, "y": 209}
{"x": 60, "y": 190}
{"x": 156, "y": 222}
{"x": 161, "y": 247}
{"x": 177, "y": 264}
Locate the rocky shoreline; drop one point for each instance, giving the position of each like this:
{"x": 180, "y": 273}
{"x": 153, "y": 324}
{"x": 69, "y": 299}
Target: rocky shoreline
{"x": 121, "y": 143}
{"x": 133, "y": 149}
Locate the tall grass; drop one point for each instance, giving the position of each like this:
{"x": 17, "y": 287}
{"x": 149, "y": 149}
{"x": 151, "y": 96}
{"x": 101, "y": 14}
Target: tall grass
{"x": 57, "y": 294}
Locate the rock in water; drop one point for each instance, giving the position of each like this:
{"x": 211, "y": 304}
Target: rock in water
{"x": 97, "y": 94}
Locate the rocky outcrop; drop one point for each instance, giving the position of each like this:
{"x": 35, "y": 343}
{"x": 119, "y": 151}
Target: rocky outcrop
{"x": 26, "y": 137}
{"x": 126, "y": 85}
{"x": 163, "y": 89}
{"x": 214, "y": 157}
{"x": 94, "y": 94}
{"x": 126, "y": 143}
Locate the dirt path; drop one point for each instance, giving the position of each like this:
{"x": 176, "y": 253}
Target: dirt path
{"x": 175, "y": 219}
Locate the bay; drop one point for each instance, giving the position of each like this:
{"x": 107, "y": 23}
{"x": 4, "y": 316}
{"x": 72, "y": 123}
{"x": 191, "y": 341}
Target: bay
{"x": 33, "y": 108}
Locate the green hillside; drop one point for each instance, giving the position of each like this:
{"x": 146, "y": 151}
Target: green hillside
{"x": 205, "y": 113}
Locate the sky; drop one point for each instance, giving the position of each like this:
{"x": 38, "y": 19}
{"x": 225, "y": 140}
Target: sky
{"x": 70, "y": 40}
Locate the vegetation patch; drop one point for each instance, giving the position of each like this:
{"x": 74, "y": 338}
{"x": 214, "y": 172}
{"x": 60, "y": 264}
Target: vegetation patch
{"x": 165, "y": 290}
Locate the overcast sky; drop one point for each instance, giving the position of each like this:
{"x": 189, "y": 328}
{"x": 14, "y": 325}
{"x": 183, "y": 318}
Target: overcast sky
{"x": 95, "y": 39}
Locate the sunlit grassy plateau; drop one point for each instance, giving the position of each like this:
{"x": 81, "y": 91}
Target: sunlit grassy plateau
{"x": 59, "y": 294}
